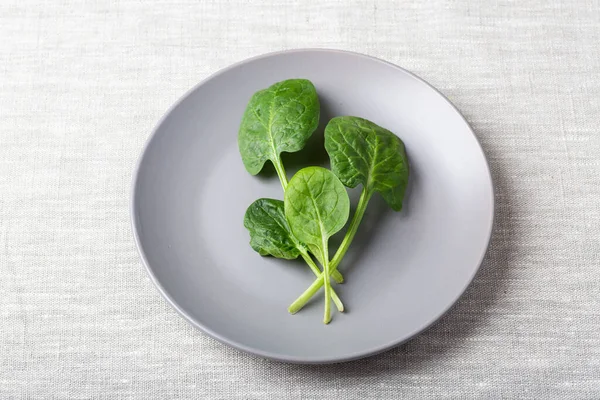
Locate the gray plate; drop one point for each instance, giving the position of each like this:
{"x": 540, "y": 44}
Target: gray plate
{"x": 404, "y": 270}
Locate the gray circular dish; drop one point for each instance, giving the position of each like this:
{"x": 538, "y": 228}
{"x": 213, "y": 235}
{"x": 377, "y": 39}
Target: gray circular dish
{"x": 404, "y": 270}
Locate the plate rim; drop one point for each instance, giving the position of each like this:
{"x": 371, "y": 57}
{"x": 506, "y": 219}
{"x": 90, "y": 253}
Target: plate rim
{"x": 266, "y": 354}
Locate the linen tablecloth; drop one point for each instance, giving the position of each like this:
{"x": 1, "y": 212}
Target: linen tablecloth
{"x": 82, "y": 83}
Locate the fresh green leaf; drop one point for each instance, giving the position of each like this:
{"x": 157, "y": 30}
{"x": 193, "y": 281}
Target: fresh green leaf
{"x": 363, "y": 152}
{"x": 277, "y": 119}
{"x": 316, "y": 206}
{"x": 270, "y": 233}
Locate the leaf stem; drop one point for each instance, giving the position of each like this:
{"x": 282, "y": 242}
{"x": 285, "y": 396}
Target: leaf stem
{"x": 363, "y": 201}
{"x": 311, "y": 264}
{"x": 327, "y": 283}
{"x": 317, "y": 272}
{"x": 337, "y": 277}
{"x": 281, "y": 173}
{"x": 301, "y": 301}
{"x": 307, "y": 295}
{"x": 337, "y": 301}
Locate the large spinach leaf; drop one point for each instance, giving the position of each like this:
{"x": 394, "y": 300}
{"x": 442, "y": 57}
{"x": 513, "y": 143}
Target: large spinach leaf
{"x": 277, "y": 119}
{"x": 363, "y": 152}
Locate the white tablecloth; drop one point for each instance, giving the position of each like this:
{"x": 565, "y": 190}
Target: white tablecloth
{"x": 82, "y": 83}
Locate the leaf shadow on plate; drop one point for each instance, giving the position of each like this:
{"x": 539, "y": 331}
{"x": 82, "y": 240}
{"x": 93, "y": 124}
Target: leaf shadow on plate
{"x": 369, "y": 229}
{"x": 442, "y": 341}
{"x": 367, "y": 233}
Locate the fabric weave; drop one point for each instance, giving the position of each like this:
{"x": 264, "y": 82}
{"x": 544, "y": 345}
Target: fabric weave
{"x": 83, "y": 83}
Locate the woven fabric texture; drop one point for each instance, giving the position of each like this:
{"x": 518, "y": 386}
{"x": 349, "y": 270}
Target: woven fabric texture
{"x": 82, "y": 83}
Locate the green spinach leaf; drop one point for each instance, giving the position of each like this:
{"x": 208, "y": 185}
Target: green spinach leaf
{"x": 363, "y": 152}
{"x": 277, "y": 119}
{"x": 270, "y": 233}
{"x": 316, "y": 207}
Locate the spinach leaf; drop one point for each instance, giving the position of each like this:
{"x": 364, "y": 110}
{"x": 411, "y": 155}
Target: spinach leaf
{"x": 270, "y": 233}
{"x": 363, "y": 152}
{"x": 277, "y": 119}
{"x": 316, "y": 207}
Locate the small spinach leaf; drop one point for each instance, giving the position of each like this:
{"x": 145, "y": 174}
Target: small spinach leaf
{"x": 316, "y": 207}
{"x": 277, "y": 119}
{"x": 270, "y": 233}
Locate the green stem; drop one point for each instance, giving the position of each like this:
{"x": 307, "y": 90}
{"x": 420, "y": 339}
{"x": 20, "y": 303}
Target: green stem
{"x": 281, "y": 173}
{"x": 311, "y": 264}
{"x": 307, "y": 295}
{"x": 363, "y": 201}
{"x": 317, "y": 272}
{"x": 337, "y": 276}
{"x": 327, "y": 283}
{"x": 337, "y": 301}
{"x": 301, "y": 301}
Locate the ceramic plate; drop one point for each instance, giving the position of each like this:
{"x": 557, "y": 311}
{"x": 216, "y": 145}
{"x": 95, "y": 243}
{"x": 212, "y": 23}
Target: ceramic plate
{"x": 404, "y": 270}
